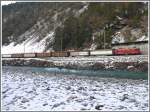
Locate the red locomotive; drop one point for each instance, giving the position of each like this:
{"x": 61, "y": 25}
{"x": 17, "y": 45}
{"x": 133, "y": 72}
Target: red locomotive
{"x": 124, "y": 51}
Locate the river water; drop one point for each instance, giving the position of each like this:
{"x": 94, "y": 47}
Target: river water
{"x": 30, "y": 88}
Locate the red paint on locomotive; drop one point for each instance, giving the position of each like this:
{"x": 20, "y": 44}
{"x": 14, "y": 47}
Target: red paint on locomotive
{"x": 123, "y": 51}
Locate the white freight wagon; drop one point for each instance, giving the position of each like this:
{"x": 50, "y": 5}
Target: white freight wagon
{"x": 6, "y": 55}
{"x": 81, "y": 53}
{"x": 101, "y": 52}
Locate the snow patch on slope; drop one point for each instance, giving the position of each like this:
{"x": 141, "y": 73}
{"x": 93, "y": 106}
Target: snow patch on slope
{"x": 93, "y": 46}
{"x": 118, "y": 38}
{"x": 129, "y": 34}
{"x": 82, "y": 10}
{"x": 28, "y": 46}
{"x": 143, "y": 38}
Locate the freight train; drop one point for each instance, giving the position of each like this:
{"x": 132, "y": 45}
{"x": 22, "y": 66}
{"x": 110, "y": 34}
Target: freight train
{"x": 120, "y": 51}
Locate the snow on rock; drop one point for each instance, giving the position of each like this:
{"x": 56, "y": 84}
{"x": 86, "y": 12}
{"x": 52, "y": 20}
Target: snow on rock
{"x": 85, "y": 7}
{"x": 136, "y": 32}
{"x": 118, "y": 38}
{"x": 30, "y": 45}
{"x": 27, "y": 90}
{"x": 143, "y": 38}
{"x": 93, "y": 46}
{"x": 127, "y": 34}
{"x": 119, "y": 18}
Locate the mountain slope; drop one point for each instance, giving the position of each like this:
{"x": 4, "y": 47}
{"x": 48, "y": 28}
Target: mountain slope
{"x": 42, "y": 26}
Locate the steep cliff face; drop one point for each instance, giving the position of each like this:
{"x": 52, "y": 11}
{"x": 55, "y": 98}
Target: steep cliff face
{"x": 129, "y": 33}
{"x": 33, "y": 26}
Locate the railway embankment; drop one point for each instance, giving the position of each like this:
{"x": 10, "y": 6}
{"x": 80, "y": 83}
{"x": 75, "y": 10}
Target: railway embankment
{"x": 124, "y": 63}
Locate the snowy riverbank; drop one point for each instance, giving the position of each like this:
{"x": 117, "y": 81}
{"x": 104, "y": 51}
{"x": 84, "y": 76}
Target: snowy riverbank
{"x": 26, "y": 90}
{"x": 126, "y": 63}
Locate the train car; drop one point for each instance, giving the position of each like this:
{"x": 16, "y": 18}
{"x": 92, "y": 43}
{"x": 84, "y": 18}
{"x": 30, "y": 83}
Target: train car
{"x": 17, "y": 55}
{"x": 60, "y": 54}
{"x": 79, "y": 53}
{"x": 6, "y": 55}
{"x": 101, "y": 52}
{"x": 123, "y": 51}
{"x": 43, "y": 54}
{"x": 29, "y": 55}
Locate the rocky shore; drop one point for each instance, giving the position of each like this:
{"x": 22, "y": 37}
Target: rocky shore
{"x": 125, "y": 63}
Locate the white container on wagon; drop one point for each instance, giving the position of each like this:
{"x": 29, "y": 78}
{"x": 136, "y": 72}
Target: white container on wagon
{"x": 101, "y": 52}
{"x": 6, "y": 55}
{"x": 82, "y": 53}
{"x": 28, "y": 55}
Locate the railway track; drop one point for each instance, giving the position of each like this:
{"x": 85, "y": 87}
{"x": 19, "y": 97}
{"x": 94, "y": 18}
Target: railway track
{"x": 91, "y": 58}
{"x": 101, "y": 58}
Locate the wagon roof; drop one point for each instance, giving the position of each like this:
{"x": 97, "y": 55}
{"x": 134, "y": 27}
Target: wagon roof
{"x": 129, "y": 43}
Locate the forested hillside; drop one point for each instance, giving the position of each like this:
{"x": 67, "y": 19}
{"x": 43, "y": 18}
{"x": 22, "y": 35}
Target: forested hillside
{"x": 62, "y": 26}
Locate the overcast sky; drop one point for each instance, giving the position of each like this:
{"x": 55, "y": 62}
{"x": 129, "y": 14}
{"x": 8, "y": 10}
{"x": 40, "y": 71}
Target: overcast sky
{"x": 7, "y": 2}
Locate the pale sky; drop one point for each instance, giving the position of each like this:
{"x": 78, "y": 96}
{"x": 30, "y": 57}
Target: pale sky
{"x": 7, "y": 2}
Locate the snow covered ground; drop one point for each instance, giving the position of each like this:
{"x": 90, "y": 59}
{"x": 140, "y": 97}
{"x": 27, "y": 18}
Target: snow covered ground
{"x": 80, "y": 59}
{"x": 23, "y": 89}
